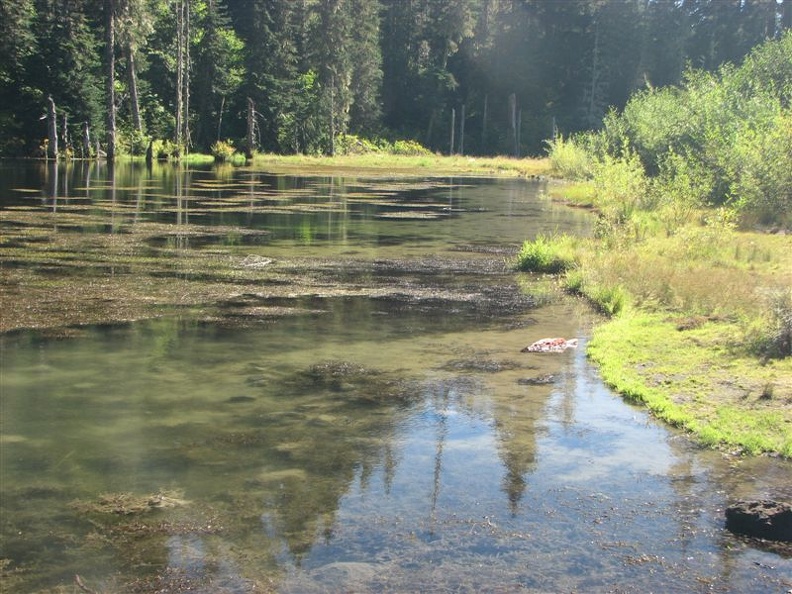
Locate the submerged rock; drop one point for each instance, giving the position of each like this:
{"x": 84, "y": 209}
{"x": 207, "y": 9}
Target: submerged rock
{"x": 551, "y": 345}
{"x": 771, "y": 520}
{"x": 539, "y": 380}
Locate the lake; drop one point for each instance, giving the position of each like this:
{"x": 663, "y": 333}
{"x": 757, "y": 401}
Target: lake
{"x": 231, "y": 380}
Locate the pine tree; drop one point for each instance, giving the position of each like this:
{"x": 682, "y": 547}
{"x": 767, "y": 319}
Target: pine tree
{"x": 219, "y": 71}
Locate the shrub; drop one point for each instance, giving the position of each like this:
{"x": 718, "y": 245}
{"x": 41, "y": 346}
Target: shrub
{"x": 163, "y": 149}
{"x": 409, "y": 147}
{"x": 773, "y": 338}
{"x": 349, "y": 144}
{"x": 133, "y": 142}
{"x": 570, "y": 159}
{"x": 223, "y": 151}
{"x": 609, "y": 299}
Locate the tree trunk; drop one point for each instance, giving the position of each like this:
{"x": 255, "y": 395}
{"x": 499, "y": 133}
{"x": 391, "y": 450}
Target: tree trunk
{"x": 86, "y": 141}
{"x": 110, "y": 80}
{"x": 187, "y": 69}
{"x": 52, "y": 130}
{"x": 220, "y": 118}
{"x": 453, "y": 127}
{"x": 65, "y": 131}
{"x": 179, "y": 72}
{"x": 251, "y": 124}
{"x": 462, "y": 131}
{"x": 518, "y": 142}
{"x": 513, "y": 119}
{"x": 484, "y": 126}
{"x": 133, "y": 89}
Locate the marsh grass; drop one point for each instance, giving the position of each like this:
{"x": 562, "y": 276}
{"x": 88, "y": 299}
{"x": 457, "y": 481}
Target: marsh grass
{"x": 580, "y": 194}
{"x": 409, "y": 163}
{"x": 699, "y": 313}
{"x": 547, "y": 254}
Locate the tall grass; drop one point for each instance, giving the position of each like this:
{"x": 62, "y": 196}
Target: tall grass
{"x": 547, "y": 254}
{"x": 570, "y": 159}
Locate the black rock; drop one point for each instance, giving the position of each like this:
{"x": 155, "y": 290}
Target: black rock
{"x": 771, "y": 520}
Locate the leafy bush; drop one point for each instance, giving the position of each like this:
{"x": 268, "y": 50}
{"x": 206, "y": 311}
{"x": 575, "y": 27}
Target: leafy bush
{"x": 621, "y": 187}
{"x": 349, "y": 144}
{"x": 163, "y": 149}
{"x": 409, "y": 147}
{"x": 722, "y": 138}
{"x": 570, "y": 159}
{"x": 133, "y": 142}
{"x": 681, "y": 187}
{"x": 223, "y": 151}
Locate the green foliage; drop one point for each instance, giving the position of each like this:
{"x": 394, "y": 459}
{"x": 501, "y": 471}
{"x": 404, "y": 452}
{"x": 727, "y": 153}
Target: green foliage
{"x": 397, "y": 69}
{"x": 163, "y": 150}
{"x": 606, "y": 295}
{"x": 609, "y": 299}
{"x": 223, "y": 151}
{"x": 546, "y": 254}
{"x": 682, "y": 187}
{"x": 410, "y": 148}
{"x": 570, "y": 159}
{"x": 302, "y": 127}
{"x": 621, "y": 187}
{"x": 350, "y": 144}
{"x": 132, "y": 142}
{"x": 771, "y": 337}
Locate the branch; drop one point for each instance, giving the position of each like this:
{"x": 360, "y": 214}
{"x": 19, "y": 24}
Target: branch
{"x": 83, "y": 587}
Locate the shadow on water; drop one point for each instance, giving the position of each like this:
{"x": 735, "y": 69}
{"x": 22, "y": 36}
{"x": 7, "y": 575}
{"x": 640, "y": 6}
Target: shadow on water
{"x": 373, "y": 427}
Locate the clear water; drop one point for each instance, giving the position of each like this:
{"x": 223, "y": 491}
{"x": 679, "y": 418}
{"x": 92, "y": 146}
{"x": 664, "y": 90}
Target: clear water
{"x": 367, "y": 443}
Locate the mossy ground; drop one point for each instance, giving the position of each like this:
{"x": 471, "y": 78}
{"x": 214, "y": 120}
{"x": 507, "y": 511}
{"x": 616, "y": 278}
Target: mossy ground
{"x": 699, "y": 378}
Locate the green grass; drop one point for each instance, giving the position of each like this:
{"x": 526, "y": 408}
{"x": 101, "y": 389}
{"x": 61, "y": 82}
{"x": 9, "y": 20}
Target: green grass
{"x": 698, "y": 380}
{"x": 545, "y": 254}
{"x": 407, "y": 164}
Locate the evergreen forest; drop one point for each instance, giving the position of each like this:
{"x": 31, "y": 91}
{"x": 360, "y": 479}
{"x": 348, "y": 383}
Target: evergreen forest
{"x": 479, "y": 77}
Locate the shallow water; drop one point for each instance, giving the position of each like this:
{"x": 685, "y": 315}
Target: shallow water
{"x": 383, "y": 442}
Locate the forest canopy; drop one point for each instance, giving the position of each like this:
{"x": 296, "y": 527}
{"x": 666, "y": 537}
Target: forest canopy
{"x": 509, "y": 74}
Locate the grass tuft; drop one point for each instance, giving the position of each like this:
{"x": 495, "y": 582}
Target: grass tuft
{"x": 552, "y": 255}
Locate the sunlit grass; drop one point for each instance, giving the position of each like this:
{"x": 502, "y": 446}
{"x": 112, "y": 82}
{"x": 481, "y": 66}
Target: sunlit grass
{"x": 405, "y": 164}
{"x": 548, "y": 254}
{"x": 577, "y": 194}
{"x": 696, "y": 380}
{"x": 699, "y": 319}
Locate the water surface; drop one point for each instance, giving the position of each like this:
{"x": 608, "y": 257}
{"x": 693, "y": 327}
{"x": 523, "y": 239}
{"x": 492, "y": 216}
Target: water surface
{"x": 382, "y": 433}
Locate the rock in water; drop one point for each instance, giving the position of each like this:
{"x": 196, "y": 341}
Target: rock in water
{"x": 551, "y": 345}
{"x": 771, "y": 520}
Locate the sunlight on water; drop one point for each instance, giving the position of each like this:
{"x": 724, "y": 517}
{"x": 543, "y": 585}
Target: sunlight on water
{"x": 380, "y": 442}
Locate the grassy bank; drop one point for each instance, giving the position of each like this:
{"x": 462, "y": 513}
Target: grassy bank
{"x": 691, "y": 256}
{"x": 697, "y": 323}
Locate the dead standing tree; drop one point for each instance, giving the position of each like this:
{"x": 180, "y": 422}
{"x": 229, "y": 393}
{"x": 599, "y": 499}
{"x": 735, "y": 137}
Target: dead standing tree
{"x": 252, "y": 129}
{"x": 182, "y": 75}
{"x": 109, "y": 6}
{"x": 52, "y": 130}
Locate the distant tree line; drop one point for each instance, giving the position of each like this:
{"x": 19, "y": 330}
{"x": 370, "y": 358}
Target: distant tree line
{"x": 292, "y": 76}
